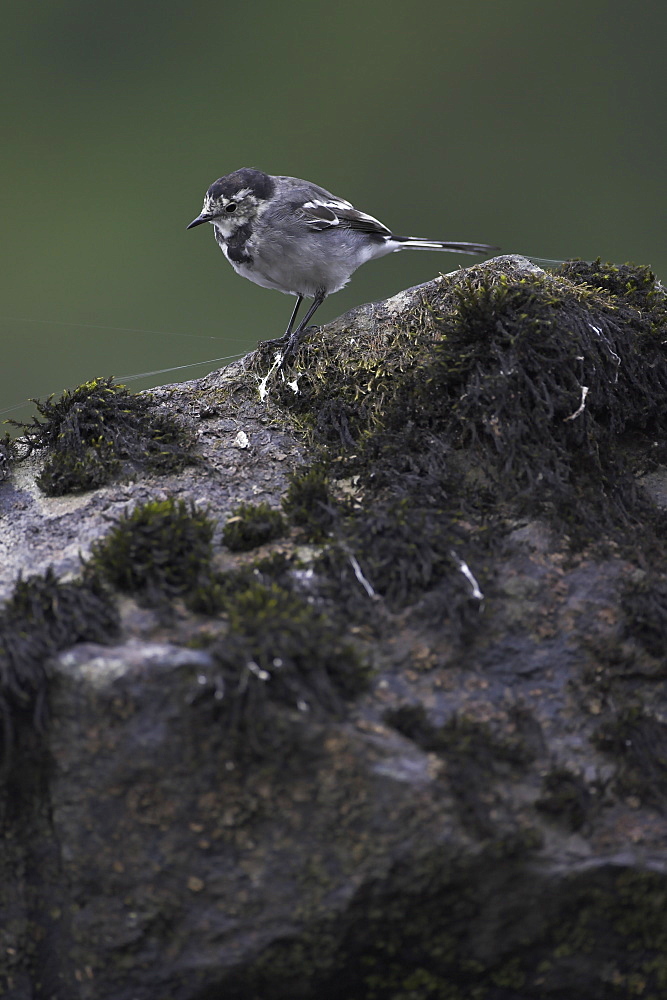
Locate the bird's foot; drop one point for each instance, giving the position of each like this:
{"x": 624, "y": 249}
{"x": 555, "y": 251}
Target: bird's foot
{"x": 287, "y": 345}
{"x": 295, "y": 340}
{"x": 277, "y": 342}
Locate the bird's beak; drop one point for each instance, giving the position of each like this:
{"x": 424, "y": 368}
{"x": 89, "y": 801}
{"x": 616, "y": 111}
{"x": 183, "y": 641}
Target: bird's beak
{"x": 199, "y": 220}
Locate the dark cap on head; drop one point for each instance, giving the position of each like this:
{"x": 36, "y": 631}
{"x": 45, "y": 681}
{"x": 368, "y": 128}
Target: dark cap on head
{"x": 259, "y": 183}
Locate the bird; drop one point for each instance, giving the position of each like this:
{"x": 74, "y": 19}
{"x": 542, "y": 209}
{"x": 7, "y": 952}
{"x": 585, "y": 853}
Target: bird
{"x": 295, "y": 236}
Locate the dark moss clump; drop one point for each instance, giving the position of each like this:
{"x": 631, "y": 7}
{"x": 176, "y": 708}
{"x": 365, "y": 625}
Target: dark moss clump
{"x": 645, "y": 607}
{"x": 308, "y": 502}
{"x": 7, "y": 456}
{"x": 215, "y": 593}
{"x": 537, "y": 380}
{"x": 98, "y": 430}
{"x": 161, "y": 550}
{"x": 280, "y": 652}
{"x": 413, "y": 722}
{"x": 474, "y": 754}
{"x": 251, "y": 525}
{"x": 459, "y": 735}
{"x": 402, "y": 550}
{"x": 500, "y": 394}
{"x": 633, "y": 284}
{"x": 639, "y": 742}
{"x": 565, "y": 798}
{"x": 42, "y": 617}
{"x": 276, "y": 621}
{"x": 516, "y": 391}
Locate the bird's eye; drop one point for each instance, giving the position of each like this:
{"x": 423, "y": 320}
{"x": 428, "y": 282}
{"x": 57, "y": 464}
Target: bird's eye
{"x": 231, "y": 207}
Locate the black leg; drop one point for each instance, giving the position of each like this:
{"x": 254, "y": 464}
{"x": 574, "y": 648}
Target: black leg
{"x": 288, "y": 332}
{"x": 294, "y": 339}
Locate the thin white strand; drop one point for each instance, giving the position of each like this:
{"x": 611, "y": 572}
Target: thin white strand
{"x": 99, "y": 326}
{"x": 132, "y": 378}
{"x": 177, "y": 368}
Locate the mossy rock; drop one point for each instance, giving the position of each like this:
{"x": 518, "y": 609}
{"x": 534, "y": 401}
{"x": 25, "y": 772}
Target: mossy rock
{"x": 252, "y": 525}
{"x": 99, "y": 430}
{"x": 162, "y": 549}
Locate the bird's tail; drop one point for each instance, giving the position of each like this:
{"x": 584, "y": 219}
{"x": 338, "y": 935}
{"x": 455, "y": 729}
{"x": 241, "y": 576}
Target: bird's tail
{"x": 418, "y": 243}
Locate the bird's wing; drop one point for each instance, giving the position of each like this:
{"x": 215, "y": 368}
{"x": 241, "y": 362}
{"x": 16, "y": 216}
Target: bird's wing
{"x": 323, "y": 215}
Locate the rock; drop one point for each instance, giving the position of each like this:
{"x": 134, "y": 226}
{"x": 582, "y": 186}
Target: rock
{"x": 412, "y": 748}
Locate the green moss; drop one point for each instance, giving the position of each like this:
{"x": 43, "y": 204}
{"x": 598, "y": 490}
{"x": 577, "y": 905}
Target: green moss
{"x": 398, "y": 983}
{"x": 215, "y": 593}
{"x": 510, "y": 975}
{"x": 601, "y": 932}
{"x": 641, "y": 914}
{"x": 640, "y": 918}
{"x": 279, "y": 651}
{"x": 308, "y": 502}
{"x": 499, "y": 396}
{"x": 42, "y": 617}
{"x": 211, "y": 593}
{"x": 251, "y": 525}
{"x": 162, "y": 549}
{"x": 413, "y": 939}
{"x": 514, "y": 398}
{"x": 608, "y": 939}
{"x": 98, "y": 430}
{"x": 344, "y": 383}
{"x": 497, "y": 391}
{"x": 633, "y": 284}
{"x": 622, "y": 923}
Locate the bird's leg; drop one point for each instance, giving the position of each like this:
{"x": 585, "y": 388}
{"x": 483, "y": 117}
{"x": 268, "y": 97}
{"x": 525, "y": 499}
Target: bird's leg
{"x": 293, "y": 342}
{"x": 288, "y": 331}
{"x": 286, "y": 336}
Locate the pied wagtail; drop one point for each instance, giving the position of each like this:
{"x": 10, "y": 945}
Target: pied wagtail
{"x": 289, "y": 234}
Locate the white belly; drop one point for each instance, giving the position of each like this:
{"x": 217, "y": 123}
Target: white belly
{"x": 327, "y": 266}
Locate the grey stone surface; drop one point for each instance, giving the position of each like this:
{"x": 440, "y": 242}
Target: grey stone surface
{"x": 143, "y": 860}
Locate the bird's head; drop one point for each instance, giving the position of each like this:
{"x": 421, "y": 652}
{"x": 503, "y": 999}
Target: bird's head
{"x": 235, "y": 200}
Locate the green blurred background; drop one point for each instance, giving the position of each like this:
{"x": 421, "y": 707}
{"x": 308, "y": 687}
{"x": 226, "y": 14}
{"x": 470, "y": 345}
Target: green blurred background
{"x": 540, "y": 127}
